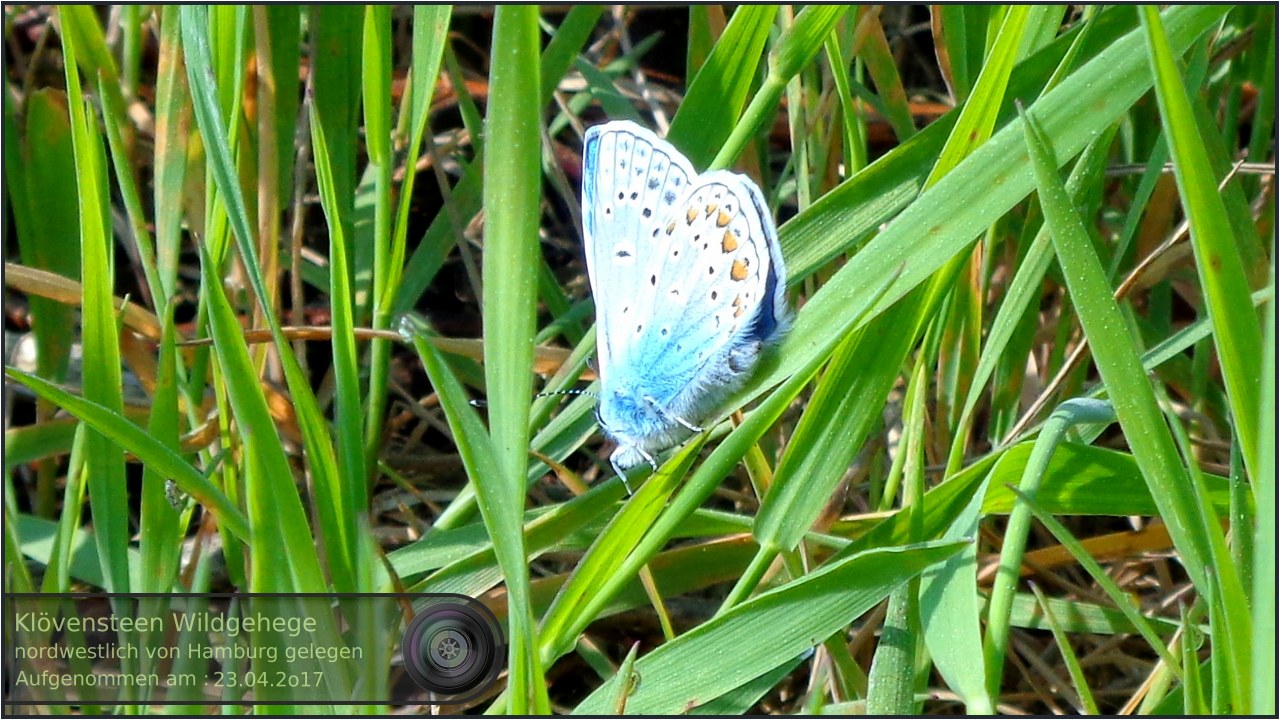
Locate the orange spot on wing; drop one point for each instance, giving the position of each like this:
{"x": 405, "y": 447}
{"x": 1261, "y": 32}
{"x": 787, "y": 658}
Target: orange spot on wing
{"x": 711, "y": 208}
{"x": 739, "y": 270}
{"x": 730, "y": 242}
{"x": 691, "y": 215}
{"x": 722, "y": 219}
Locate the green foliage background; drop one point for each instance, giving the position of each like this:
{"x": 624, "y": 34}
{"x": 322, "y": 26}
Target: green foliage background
{"x": 1048, "y": 353}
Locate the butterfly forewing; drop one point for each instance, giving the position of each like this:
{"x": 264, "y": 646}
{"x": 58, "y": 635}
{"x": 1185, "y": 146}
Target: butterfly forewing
{"x": 630, "y": 180}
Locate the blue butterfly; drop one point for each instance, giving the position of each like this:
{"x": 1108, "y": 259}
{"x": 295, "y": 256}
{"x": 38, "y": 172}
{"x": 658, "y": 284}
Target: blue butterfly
{"x": 688, "y": 282}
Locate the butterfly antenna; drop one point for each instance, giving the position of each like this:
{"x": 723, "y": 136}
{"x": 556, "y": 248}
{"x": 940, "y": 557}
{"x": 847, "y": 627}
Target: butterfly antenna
{"x": 485, "y": 403}
{"x": 568, "y": 392}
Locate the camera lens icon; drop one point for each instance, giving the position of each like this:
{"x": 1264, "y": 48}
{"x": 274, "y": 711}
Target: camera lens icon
{"x": 454, "y": 647}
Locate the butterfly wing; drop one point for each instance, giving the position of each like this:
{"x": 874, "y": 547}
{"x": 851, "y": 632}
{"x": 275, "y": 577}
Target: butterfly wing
{"x": 631, "y": 179}
{"x": 717, "y": 294}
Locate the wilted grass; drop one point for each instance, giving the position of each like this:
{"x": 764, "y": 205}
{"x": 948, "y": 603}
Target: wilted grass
{"x": 990, "y": 366}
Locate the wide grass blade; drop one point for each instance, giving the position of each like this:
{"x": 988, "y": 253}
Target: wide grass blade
{"x": 1237, "y": 335}
{"x": 512, "y": 200}
{"x": 766, "y": 631}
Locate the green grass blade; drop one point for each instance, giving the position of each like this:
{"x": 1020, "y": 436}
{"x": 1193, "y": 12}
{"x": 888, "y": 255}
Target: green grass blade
{"x": 1237, "y": 335}
{"x": 719, "y": 90}
{"x": 37, "y": 538}
{"x": 804, "y": 39}
{"x": 892, "y": 678}
{"x": 335, "y": 32}
{"x": 376, "y": 68}
{"x": 891, "y": 681}
{"x": 1069, "y": 414}
{"x": 512, "y": 200}
{"x": 41, "y": 183}
{"x": 598, "y": 570}
{"x": 46, "y": 214}
{"x": 1100, "y": 576}
{"x": 334, "y": 520}
{"x": 119, "y": 148}
{"x": 1199, "y": 539}
{"x": 281, "y": 547}
{"x": 160, "y": 524}
{"x": 1042, "y": 27}
{"x": 1264, "y": 555}
{"x": 953, "y": 212}
{"x": 440, "y": 237}
{"x": 498, "y": 508}
{"x": 108, "y": 494}
{"x": 704, "y": 481}
{"x": 948, "y": 592}
{"x": 766, "y": 631}
{"x": 1019, "y": 296}
{"x": 347, "y": 411}
{"x": 978, "y": 116}
{"x": 1078, "y": 679}
{"x": 963, "y": 31}
{"x": 883, "y": 69}
{"x": 574, "y": 30}
{"x": 173, "y": 118}
{"x": 430, "y": 30}
{"x": 797, "y": 45}
{"x": 821, "y": 448}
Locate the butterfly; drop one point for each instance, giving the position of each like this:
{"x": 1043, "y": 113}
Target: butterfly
{"x": 689, "y": 287}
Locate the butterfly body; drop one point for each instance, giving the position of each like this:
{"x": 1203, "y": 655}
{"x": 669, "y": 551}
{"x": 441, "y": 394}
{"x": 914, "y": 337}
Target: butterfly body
{"x": 688, "y": 282}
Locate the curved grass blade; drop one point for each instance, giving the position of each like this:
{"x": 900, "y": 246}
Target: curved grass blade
{"x": 139, "y": 442}
{"x": 1198, "y": 538}
{"x": 1069, "y": 414}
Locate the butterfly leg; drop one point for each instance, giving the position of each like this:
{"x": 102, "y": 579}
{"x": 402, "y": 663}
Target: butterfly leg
{"x": 623, "y": 473}
{"x": 675, "y": 418}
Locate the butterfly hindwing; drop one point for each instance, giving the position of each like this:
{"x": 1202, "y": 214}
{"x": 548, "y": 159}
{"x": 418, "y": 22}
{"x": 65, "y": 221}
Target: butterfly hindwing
{"x": 717, "y": 293}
